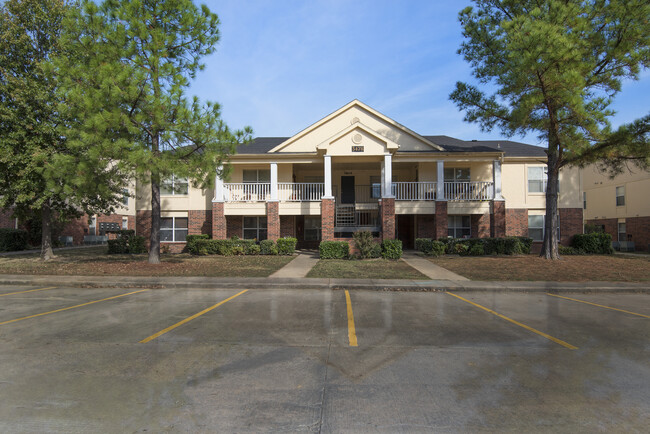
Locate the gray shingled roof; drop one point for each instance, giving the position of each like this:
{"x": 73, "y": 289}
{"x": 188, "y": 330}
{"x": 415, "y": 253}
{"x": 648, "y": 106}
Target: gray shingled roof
{"x": 262, "y": 145}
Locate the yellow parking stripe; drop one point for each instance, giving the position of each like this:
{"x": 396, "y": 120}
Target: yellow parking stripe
{"x": 188, "y": 319}
{"x": 71, "y": 307}
{"x": 549, "y": 337}
{"x": 29, "y": 290}
{"x": 352, "y": 335}
{"x": 599, "y": 305}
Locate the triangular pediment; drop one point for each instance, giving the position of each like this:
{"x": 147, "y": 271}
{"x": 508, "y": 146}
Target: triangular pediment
{"x": 357, "y": 139}
{"x": 371, "y": 124}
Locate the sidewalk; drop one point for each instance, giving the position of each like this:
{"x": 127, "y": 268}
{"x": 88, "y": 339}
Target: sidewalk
{"x": 299, "y": 267}
{"x": 430, "y": 269}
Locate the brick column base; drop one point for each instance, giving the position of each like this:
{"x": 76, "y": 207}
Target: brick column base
{"x": 327, "y": 219}
{"x": 219, "y": 226}
{"x": 272, "y": 220}
{"x": 441, "y": 219}
{"x": 387, "y": 218}
{"x": 498, "y": 219}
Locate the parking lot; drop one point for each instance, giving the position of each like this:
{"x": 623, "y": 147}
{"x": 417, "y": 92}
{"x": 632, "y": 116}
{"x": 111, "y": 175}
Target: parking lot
{"x": 135, "y": 360}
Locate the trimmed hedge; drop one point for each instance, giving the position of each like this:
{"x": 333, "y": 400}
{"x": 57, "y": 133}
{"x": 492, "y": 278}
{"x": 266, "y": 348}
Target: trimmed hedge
{"x": 268, "y": 247}
{"x": 12, "y": 240}
{"x": 391, "y": 249}
{"x": 474, "y": 246}
{"x": 366, "y": 244}
{"x": 126, "y": 242}
{"x": 191, "y": 242}
{"x": 287, "y": 246}
{"x": 430, "y": 247}
{"x": 596, "y": 243}
{"x": 334, "y": 250}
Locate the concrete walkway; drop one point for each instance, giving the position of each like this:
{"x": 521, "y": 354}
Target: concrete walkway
{"x": 430, "y": 269}
{"x": 299, "y": 267}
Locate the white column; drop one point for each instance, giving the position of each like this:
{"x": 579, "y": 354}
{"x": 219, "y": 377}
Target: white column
{"x": 440, "y": 182}
{"x": 274, "y": 182}
{"x": 218, "y": 186}
{"x": 387, "y": 176}
{"x": 496, "y": 178}
{"x": 328, "y": 177}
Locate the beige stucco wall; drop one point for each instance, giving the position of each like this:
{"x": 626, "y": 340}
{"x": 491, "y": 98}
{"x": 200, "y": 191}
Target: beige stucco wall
{"x": 196, "y": 199}
{"x": 601, "y": 193}
{"x": 514, "y": 183}
{"x": 132, "y": 206}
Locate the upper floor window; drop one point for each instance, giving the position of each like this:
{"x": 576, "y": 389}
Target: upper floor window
{"x": 537, "y": 177}
{"x": 584, "y": 200}
{"x": 458, "y": 174}
{"x": 257, "y": 176}
{"x": 620, "y": 196}
{"x": 125, "y": 197}
{"x": 174, "y": 186}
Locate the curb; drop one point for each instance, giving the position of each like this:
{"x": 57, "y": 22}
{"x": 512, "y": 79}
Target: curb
{"x": 323, "y": 284}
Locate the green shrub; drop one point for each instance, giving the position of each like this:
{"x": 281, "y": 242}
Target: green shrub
{"x": 460, "y": 248}
{"x": 564, "y": 250}
{"x": 127, "y": 242}
{"x": 238, "y": 250}
{"x": 366, "y": 244}
{"x": 268, "y": 247}
{"x": 596, "y": 243}
{"x": 334, "y": 250}
{"x": 513, "y": 246}
{"x": 117, "y": 246}
{"x": 423, "y": 244}
{"x": 13, "y": 239}
{"x": 391, "y": 249}
{"x": 494, "y": 246}
{"x": 191, "y": 242}
{"x": 253, "y": 249}
{"x": 221, "y": 247}
{"x": 287, "y": 246}
{"x": 136, "y": 245}
{"x": 526, "y": 244}
{"x": 437, "y": 248}
{"x": 476, "y": 250}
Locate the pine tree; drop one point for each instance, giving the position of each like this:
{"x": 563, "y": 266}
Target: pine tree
{"x": 128, "y": 83}
{"x": 554, "y": 68}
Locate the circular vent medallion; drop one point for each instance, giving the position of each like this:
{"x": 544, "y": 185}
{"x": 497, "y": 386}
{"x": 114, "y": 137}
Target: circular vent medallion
{"x": 357, "y": 138}
{"x": 354, "y": 120}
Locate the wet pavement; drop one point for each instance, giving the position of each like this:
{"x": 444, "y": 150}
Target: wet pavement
{"x": 73, "y": 360}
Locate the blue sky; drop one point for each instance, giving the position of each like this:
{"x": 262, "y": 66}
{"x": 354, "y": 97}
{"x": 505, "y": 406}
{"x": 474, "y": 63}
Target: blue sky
{"x": 282, "y": 65}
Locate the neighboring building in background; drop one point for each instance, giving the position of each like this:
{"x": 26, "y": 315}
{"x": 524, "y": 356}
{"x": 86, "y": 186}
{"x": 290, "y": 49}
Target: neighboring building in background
{"x": 357, "y": 169}
{"x": 620, "y": 206}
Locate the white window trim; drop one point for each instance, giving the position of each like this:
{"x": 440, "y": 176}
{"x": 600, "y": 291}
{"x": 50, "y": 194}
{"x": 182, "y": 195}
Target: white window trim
{"x": 172, "y": 186}
{"x": 257, "y": 176}
{"x": 543, "y": 226}
{"x": 617, "y": 196}
{"x": 544, "y": 179}
{"x": 457, "y": 218}
{"x": 173, "y": 229}
{"x": 618, "y": 231}
{"x": 454, "y": 179}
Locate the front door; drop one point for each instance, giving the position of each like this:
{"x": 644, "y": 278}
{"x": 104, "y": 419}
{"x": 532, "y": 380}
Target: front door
{"x": 347, "y": 189}
{"x": 405, "y": 229}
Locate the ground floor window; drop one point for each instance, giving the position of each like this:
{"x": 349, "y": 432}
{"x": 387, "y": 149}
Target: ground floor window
{"x": 458, "y": 226}
{"x": 622, "y": 235}
{"x": 254, "y": 228}
{"x": 92, "y": 226}
{"x": 173, "y": 229}
{"x": 125, "y": 223}
{"x": 312, "y": 228}
{"x": 536, "y": 225}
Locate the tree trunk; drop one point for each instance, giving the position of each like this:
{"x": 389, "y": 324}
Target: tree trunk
{"x": 46, "y": 237}
{"x": 550, "y": 245}
{"x": 154, "y": 238}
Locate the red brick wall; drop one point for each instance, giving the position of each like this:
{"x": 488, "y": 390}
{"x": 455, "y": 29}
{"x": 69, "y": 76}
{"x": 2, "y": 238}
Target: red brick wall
{"x": 480, "y": 225}
{"x": 426, "y": 226}
{"x": 287, "y": 226}
{"x": 611, "y": 226}
{"x": 199, "y": 222}
{"x": 498, "y": 219}
{"x": 327, "y": 219}
{"x": 273, "y": 220}
{"x": 76, "y": 229}
{"x": 219, "y": 223}
{"x": 6, "y": 220}
{"x": 234, "y": 226}
{"x": 143, "y": 225}
{"x": 570, "y": 224}
{"x": 387, "y": 209}
{"x": 639, "y": 229}
{"x": 441, "y": 219}
{"x": 172, "y": 247}
{"x": 517, "y": 222}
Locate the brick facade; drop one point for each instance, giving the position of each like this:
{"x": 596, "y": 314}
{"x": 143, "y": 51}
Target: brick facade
{"x": 76, "y": 229}
{"x": 7, "y": 221}
{"x": 143, "y": 225}
{"x": 570, "y": 224}
{"x": 480, "y": 225}
{"x": 610, "y": 226}
{"x": 441, "y": 222}
{"x": 272, "y": 220}
{"x": 498, "y": 219}
{"x": 387, "y": 212}
{"x": 517, "y": 222}
{"x": 426, "y": 226}
{"x": 327, "y": 219}
{"x": 199, "y": 222}
{"x": 219, "y": 222}
{"x": 287, "y": 226}
{"x": 638, "y": 229}
{"x": 234, "y": 226}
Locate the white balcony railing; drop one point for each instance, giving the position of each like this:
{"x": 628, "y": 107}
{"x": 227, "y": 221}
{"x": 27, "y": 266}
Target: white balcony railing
{"x": 246, "y": 192}
{"x": 300, "y": 191}
{"x": 414, "y": 190}
{"x": 467, "y": 191}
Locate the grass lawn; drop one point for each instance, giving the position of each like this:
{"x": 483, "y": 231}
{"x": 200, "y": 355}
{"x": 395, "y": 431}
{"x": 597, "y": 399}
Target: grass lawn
{"x": 612, "y": 268}
{"x": 365, "y": 269}
{"x": 95, "y": 262}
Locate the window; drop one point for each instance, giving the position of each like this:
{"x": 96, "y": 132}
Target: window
{"x": 375, "y": 187}
{"x": 536, "y": 225}
{"x": 312, "y": 228}
{"x": 537, "y": 177}
{"x": 92, "y": 226}
{"x": 174, "y": 186}
{"x": 257, "y": 176}
{"x": 125, "y": 197}
{"x": 584, "y": 200}
{"x": 622, "y": 236}
{"x": 620, "y": 196}
{"x": 458, "y": 226}
{"x": 254, "y": 228}
{"x": 125, "y": 223}
{"x": 173, "y": 229}
{"x": 457, "y": 174}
